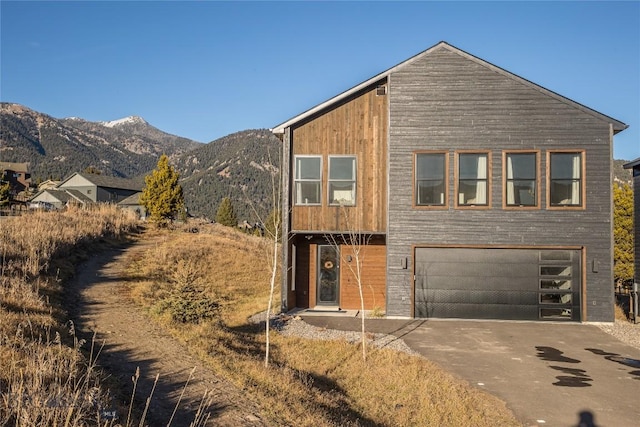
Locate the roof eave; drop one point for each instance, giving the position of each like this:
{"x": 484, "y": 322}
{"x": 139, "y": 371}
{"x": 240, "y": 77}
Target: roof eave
{"x": 632, "y": 164}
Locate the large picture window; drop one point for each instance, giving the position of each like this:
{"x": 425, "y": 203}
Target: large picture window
{"x": 521, "y": 171}
{"x": 473, "y": 179}
{"x": 342, "y": 180}
{"x": 430, "y": 179}
{"x": 565, "y": 179}
{"x": 308, "y": 180}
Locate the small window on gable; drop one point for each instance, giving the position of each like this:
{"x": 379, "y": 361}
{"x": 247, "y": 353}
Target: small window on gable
{"x": 521, "y": 179}
{"x": 566, "y": 179}
{"x": 430, "y": 171}
{"x": 342, "y": 180}
{"x": 472, "y": 187}
{"x": 308, "y": 180}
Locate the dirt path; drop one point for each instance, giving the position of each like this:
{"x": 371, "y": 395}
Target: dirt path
{"x": 132, "y": 340}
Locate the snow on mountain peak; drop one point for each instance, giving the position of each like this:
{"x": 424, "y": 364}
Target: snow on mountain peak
{"x": 125, "y": 121}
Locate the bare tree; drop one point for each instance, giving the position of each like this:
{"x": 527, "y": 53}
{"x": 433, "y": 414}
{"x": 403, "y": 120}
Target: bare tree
{"x": 355, "y": 239}
{"x": 272, "y": 229}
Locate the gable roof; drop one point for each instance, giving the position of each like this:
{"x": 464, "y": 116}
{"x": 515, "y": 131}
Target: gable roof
{"x": 15, "y": 167}
{"x": 279, "y": 129}
{"x": 106, "y": 181}
{"x": 133, "y": 199}
{"x": 63, "y": 196}
{"x": 632, "y": 164}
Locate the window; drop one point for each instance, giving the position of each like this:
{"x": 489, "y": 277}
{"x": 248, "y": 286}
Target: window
{"x": 473, "y": 182}
{"x": 308, "y": 180}
{"x": 565, "y": 179}
{"x": 430, "y": 179}
{"x": 342, "y": 180}
{"x": 521, "y": 179}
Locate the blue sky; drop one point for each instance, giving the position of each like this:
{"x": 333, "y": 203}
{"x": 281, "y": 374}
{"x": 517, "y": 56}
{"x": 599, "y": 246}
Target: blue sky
{"x": 206, "y": 69}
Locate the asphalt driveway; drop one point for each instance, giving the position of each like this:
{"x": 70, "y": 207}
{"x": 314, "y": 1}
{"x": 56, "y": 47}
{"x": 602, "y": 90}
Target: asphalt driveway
{"x": 549, "y": 374}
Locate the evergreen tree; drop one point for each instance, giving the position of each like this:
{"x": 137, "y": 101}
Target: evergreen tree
{"x": 162, "y": 195}
{"x": 623, "y": 255}
{"x": 5, "y": 193}
{"x": 226, "y": 215}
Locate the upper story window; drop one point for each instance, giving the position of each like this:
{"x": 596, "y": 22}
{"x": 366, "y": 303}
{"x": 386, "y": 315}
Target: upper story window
{"x": 308, "y": 180}
{"x": 342, "y": 180}
{"x": 472, "y": 186}
{"x": 430, "y": 173}
{"x": 566, "y": 179}
{"x": 521, "y": 179}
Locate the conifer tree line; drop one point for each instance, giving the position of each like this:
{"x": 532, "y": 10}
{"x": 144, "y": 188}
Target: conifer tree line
{"x": 623, "y": 234}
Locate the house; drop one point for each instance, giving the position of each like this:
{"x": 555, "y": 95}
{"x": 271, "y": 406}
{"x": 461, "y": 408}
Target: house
{"x": 85, "y": 189}
{"x": 48, "y": 184}
{"x": 58, "y": 199}
{"x": 635, "y": 168}
{"x": 133, "y": 204}
{"x": 481, "y": 194}
{"x": 17, "y": 175}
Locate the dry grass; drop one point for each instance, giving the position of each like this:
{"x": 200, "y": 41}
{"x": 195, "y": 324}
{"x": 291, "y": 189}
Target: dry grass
{"x": 619, "y": 313}
{"x": 309, "y": 383}
{"x": 45, "y": 377}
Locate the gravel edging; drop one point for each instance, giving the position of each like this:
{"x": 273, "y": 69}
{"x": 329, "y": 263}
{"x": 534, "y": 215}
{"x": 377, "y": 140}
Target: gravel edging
{"x": 626, "y": 332}
{"x": 287, "y": 325}
{"x": 294, "y": 326}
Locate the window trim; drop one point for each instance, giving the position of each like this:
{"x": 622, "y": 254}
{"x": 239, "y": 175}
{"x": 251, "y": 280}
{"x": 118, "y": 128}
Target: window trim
{"x": 445, "y": 177}
{"x": 505, "y": 206}
{"x": 295, "y": 180}
{"x": 354, "y": 180}
{"x": 583, "y": 180}
{"x": 456, "y": 179}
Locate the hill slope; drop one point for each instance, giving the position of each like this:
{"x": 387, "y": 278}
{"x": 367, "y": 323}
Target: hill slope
{"x": 239, "y": 166}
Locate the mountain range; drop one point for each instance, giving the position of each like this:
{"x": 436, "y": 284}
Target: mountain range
{"x": 239, "y": 166}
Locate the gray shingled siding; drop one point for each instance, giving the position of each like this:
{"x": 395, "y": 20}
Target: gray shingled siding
{"x": 445, "y": 101}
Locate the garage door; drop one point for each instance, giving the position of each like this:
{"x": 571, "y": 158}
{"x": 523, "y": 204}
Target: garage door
{"x": 517, "y": 284}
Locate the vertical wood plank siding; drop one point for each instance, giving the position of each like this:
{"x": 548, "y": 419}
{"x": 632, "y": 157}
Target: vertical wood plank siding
{"x": 358, "y": 126}
{"x": 373, "y": 258}
{"x": 445, "y": 101}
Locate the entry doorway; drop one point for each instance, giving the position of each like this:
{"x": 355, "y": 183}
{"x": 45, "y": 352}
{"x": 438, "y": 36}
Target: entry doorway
{"x": 328, "y": 276}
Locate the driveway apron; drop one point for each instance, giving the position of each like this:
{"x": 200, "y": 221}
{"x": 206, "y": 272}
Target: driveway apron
{"x": 549, "y": 374}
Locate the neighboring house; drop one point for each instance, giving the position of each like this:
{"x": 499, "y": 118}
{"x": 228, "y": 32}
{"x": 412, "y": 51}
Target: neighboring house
{"x": 101, "y": 188}
{"x": 132, "y": 203}
{"x": 635, "y": 168}
{"x": 17, "y": 175}
{"x": 60, "y": 198}
{"x": 486, "y": 196}
{"x": 87, "y": 188}
{"x": 48, "y": 184}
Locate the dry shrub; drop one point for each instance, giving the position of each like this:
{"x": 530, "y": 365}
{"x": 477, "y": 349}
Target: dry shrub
{"x": 309, "y": 383}
{"x": 44, "y": 377}
{"x": 619, "y": 313}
